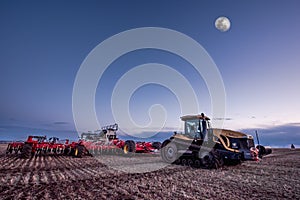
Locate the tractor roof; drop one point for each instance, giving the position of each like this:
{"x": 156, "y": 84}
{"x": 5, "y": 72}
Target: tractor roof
{"x": 187, "y": 117}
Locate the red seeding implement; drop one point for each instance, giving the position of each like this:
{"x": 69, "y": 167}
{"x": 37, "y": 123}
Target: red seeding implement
{"x": 14, "y": 147}
{"x": 104, "y": 141}
{"x": 100, "y": 142}
{"x": 37, "y": 145}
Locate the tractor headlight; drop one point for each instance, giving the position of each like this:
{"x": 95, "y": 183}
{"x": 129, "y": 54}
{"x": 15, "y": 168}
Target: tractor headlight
{"x": 234, "y": 145}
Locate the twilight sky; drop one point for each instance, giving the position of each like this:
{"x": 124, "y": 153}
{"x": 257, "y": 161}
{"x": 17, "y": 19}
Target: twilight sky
{"x": 44, "y": 43}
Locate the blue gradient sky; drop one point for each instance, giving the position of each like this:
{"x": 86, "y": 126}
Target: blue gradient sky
{"x": 43, "y": 44}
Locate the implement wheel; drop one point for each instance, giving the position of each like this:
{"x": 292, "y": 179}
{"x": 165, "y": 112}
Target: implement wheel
{"x": 129, "y": 147}
{"x": 79, "y": 151}
{"x": 26, "y": 151}
{"x": 156, "y": 145}
{"x": 9, "y": 149}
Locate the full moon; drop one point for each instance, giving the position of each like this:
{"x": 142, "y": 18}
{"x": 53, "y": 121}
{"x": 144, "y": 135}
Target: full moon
{"x": 222, "y": 24}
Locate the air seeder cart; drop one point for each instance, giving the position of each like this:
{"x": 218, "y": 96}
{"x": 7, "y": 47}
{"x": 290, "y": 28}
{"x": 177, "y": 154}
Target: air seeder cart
{"x": 106, "y": 141}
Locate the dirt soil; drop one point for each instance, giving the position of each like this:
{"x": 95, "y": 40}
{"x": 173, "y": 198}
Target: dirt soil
{"x": 277, "y": 176}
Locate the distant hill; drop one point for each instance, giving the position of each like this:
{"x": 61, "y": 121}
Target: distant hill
{"x": 4, "y": 142}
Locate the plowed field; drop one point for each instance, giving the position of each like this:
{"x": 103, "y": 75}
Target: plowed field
{"x": 277, "y": 176}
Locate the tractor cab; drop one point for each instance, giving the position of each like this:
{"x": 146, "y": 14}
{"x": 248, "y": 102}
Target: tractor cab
{"x": 196, "y": 126}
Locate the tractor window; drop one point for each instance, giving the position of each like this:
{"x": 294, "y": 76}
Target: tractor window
{"x": 192, "y": 127}
{"x": 196, "y": 128}
{"x": 208, "y": 125}
{"x": 250, "y": 143}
